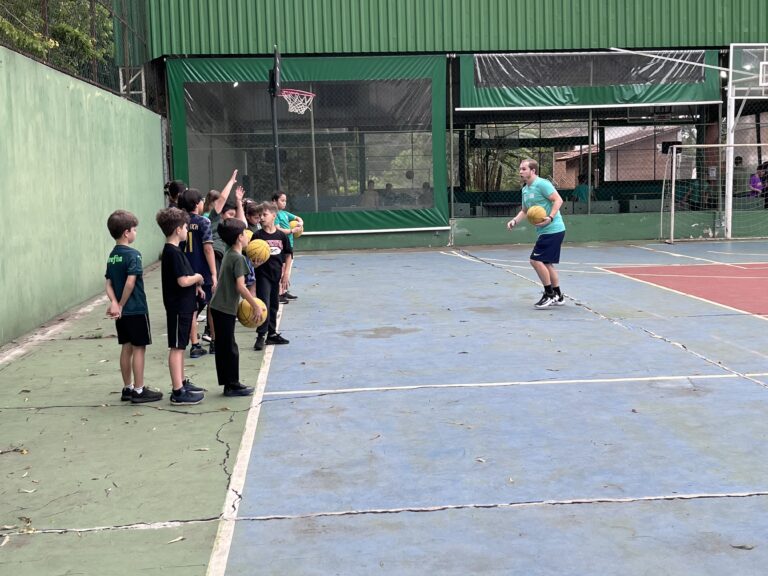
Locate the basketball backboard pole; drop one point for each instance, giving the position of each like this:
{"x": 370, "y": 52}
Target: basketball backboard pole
{"x": 274, "y": 92}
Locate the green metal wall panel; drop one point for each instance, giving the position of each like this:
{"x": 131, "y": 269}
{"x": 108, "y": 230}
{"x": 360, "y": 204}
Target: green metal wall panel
{"x": 217, "y": 27}
{"x": 77, "y": 154}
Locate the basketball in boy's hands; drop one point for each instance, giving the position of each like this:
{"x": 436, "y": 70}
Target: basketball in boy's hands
{"x": 294, "y": 225}
{"x": 257, "y": 251}
{"x": 248, "y": 234}
{"x": 536, "y": 214}
{"x": 244, "y": 314}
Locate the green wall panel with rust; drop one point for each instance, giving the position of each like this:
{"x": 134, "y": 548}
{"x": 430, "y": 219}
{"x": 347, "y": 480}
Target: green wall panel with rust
{"x": 71, "y": 154}
{"x": 218, "y": 27}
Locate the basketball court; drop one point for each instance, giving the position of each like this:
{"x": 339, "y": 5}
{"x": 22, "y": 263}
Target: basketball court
{"x": 426, "y": 419}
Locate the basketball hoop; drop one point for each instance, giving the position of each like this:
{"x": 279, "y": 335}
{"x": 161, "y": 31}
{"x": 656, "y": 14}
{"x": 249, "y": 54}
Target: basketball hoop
{"x": 298, "y": 100}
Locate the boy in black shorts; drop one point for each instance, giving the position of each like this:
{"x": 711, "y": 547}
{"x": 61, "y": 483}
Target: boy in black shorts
{"x": 181, "y": 285}
{"x": 274, "y": 276}
{"x": 224, "y": 305}
{"x": 128, "y": 307}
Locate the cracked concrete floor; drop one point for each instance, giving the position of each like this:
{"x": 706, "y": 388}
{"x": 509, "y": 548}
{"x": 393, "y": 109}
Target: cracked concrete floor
{"x": 93, "y": 485}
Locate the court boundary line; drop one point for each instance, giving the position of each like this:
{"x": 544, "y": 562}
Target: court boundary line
{"x": 329, "y": 391}
{"x": 217, "y": 562}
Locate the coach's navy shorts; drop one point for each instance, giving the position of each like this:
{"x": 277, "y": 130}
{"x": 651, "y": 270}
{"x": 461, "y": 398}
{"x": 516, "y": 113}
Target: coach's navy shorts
{"x": 179, "y": 327}
{"x": 547, "y": 248}
{"x": 133, "y": 330}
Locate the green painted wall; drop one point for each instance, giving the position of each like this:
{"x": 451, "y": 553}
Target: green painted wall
{"x": 70, "y": 154}
{"x": 212, "y": 27}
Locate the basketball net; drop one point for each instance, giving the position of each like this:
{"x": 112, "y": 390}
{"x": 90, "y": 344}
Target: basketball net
{"x": 298, "y": 100}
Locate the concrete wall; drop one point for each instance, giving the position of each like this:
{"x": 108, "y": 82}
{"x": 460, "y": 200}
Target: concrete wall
{"x": 70, "y": 154}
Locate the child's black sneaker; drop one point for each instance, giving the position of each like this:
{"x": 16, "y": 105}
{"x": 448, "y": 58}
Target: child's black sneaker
{"x": 283, "y": 299}
{"x": 196, "y": 351}
{"x": 559, "y": 300}
{"x": 126, "y": 394}
{"x": 238, "y": 390}
{"x": 259, "y": 344}
{"x": 146, "y": 395}
{"x": 190, "y": 387}
{"x": 276, "y": 339}
{"x": 183, "y": 397}
{"x": 290, "y": 296}
{"x": 206, "y": 334}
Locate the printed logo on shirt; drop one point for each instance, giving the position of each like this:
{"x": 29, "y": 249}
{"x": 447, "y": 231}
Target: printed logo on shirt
{"x": 114, "y": 259}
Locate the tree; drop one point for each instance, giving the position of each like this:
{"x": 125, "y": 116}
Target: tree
{"x": 69, "y": 34}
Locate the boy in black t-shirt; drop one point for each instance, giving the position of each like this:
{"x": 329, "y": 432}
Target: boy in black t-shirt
{"x": 128, "y": 307}
{"x": 224, "y": 307}
{"x": 180, "y": 287}
{"x": 273, "y": 277}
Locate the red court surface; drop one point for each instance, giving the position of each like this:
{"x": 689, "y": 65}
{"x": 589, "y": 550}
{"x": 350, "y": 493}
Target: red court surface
{"x": 742, "y": 287}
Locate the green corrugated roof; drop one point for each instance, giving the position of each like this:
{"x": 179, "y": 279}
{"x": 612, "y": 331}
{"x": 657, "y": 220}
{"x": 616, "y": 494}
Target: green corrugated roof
{"x": 217, "y": 27}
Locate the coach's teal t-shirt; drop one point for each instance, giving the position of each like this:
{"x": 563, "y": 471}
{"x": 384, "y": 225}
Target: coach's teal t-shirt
{"x": 537, "y": 194}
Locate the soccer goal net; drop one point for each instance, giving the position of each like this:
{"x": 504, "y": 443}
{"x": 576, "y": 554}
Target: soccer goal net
{"x": 694, "y": 201}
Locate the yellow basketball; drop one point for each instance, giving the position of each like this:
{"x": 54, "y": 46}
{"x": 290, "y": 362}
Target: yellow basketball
{"x": 536, "y": 214}
{"x": 294, "y": 224}
{"x": 257, "y": 251}
{"x": 244, "y": 313}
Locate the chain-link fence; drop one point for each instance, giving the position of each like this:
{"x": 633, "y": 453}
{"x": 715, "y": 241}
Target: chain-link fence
{"x": 363, "y": 145}
{"x": 100, "y": 41}
{"x": 603, "y": 163}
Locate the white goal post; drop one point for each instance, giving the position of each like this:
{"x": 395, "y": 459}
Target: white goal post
{"x": 702, "y": 199}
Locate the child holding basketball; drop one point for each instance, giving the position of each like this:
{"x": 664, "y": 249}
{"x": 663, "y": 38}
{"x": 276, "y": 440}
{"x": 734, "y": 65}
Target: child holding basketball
{"x": 181, "y": 285}
{"x": 223, "y": 308}
{"x": 283, "y": 223}
{"x": 128, "y": 307}
{"x": 551, "y": 231}
{"x": 272, "y": 277}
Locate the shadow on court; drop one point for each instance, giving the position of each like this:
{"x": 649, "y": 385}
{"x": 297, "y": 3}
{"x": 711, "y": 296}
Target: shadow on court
{"x": 425, "y": 419}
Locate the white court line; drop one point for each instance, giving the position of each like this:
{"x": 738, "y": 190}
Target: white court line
{"x": 678, "y": 255}
{"x": 514, "y": 383}
{"x": 43, "y": 334}
{"x": 217, "y": 564}
{"x": 761, "y": 317}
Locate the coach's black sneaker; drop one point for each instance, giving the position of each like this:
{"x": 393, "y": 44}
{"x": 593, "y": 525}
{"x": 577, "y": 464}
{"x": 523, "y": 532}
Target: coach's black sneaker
{"x": 182, "y": 397}
{"x": 146, "y": 395}
{"x": 546, "y": 301}
{"x": 290, "y": 296}
{"x": 189, "y": 387}
{"x": 276, "y": 339}
{"x": 237, "y": 390}
{"x": 259, "y": 344}
{"x": 197, "y": 351}
{"x": 126, "y": 395}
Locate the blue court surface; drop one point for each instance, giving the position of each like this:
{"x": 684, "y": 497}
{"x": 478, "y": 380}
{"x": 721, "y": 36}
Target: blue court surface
{"x": 426, "y": 419}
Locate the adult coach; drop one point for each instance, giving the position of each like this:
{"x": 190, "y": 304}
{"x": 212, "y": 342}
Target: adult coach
{"x": 551, "y": 231}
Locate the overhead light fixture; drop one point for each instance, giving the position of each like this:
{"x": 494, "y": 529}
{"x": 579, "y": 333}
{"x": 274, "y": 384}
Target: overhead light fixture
{"x": 236, "y": 84}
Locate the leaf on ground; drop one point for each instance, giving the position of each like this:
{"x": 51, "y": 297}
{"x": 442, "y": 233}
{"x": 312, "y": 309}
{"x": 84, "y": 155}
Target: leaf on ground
{"x": 28, "y": 491}
{"x": 742, "y": 546}
{"x": 5, "y": 540}
{"x": 25, "y": 391}
{"x": 201, "y": 449}
{"x": 480, "y": 460}
{"x": 179, "y": 539}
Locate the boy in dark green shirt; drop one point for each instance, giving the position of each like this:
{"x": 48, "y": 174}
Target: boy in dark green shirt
{"x": 224, "y": 304}
{"x": 128, "y": 307}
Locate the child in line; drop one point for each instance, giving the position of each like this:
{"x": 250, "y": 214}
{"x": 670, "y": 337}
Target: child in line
{"x": 128, "y": 307}
{"x": 253, "y": 212}
{"x": 273, "y": 276}
{"x": 223, "y": 307}
{"x": 181, "y": 285}
{"x": 198, "y": 248}
{"x": 283, "y": 223}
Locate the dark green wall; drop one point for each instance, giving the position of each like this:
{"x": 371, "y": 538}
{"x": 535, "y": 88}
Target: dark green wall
{"x": 253, "y": 27}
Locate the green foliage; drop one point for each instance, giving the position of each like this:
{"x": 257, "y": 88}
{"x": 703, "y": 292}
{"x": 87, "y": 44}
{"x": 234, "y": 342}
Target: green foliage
{"x": 69, "y": 43}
